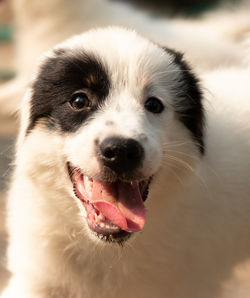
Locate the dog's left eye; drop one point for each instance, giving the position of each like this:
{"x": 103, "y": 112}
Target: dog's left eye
{"x": 154, "y": 105}
{"x": 80, "y": 101}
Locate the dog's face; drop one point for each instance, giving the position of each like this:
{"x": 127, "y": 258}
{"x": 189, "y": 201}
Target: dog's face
{"x": 109, "y": 110}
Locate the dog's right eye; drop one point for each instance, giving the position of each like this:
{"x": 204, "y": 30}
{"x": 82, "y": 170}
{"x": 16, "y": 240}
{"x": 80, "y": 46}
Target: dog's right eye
{"x": 154, "y": 105}
{"x": 80, "y": 101}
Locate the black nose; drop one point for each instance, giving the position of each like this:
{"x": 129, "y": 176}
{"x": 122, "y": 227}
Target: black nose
{"x": 121, "y": 155}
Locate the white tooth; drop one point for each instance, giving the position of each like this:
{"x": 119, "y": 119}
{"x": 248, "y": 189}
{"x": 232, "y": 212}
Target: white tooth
{"x": 97, "y": 218}
{"x": 101, "y": 217}
{"x": 88, "y": 185}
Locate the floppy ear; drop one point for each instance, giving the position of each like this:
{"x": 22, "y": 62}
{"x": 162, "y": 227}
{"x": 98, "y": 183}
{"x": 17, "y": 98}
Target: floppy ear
{"x": 189, "y": 105}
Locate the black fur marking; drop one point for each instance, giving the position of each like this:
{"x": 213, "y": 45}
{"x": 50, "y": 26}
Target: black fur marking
{"x": 58, "y": 79}
{"x": 189, "y": 102}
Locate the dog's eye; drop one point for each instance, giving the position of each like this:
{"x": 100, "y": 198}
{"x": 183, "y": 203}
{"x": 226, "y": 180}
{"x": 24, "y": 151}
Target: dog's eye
{"x": 80, "y": 101}
{"x": 154, "y": 105}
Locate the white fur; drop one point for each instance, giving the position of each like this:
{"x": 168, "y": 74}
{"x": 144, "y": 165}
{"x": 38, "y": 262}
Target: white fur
{"x": 196, "y": 240}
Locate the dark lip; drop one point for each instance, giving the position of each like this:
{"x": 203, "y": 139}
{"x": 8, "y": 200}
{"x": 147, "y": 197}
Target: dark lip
{"x": 119, "y": 236}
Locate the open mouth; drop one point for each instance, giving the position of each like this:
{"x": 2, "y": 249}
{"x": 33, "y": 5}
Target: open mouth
{"x": 114, "y": 210}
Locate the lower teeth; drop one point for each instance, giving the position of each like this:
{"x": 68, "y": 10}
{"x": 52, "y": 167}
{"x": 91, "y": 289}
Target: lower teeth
{"x": 108, "y": 226}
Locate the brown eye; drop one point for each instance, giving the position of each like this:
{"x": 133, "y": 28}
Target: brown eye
{"x": 154, "y": 105}
{"x": 80, "y": 101}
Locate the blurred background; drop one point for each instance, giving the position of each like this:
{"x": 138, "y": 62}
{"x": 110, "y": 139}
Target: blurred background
{"x": 7, "y": 132}
{"x": 8, "y": 128}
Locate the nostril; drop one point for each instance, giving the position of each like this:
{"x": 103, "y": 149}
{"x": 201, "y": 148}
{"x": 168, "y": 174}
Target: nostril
{"x": 109, "y": 153}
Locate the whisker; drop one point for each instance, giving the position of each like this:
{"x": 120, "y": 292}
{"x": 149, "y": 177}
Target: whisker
{"x": 171, "y": 169}
{"x": 182, "y": 162}
{"x": 194, "y": 157}
{"x": 177, "y": 143}
{"x": 187, "y": 166}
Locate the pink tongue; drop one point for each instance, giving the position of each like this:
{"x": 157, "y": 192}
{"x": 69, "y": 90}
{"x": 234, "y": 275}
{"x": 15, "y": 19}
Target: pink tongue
{"x": 121, "y": 203}
{"x": 112, "y": 213}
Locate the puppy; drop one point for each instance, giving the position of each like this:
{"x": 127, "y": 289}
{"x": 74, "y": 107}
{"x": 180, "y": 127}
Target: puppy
{"x": 131, "y": 179}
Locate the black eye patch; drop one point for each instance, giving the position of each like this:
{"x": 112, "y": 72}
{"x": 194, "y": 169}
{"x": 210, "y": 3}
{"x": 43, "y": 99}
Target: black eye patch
{"x": 59, "y": 78}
